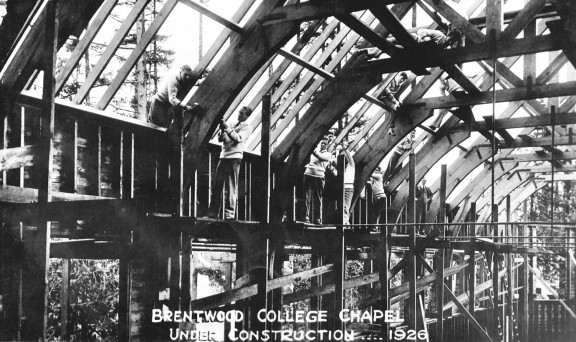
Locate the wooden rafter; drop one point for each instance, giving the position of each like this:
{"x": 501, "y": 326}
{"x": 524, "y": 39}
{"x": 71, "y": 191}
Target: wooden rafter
{"x": 135, "y": 55}
{"x": 523, "y": 122}
{"x": 84, "y": 42}
{"x": 230, "y": 24}
{"x": 114, "y": 44}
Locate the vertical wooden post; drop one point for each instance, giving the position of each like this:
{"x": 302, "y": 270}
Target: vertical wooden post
{"x": 265, "y": 155}
{"x": 38, "y": 247}
{"x": 411, "y": 218}
{"x": 494, "y": 18}
{"x": 65, "y": 299}
{"x": 440, "y": 262}
{"x": 127, "y": 168}
{"x": 124, "y": 295}
{"x": 495, "y": 284}
{"x": 509, "y": 275}
{"x": 383, "y": 269}
{"x": 523, "y": 307}
{"x": 472, "y": 264}
{"x": 339, "y": 250}
{"x": 227, "y": 287}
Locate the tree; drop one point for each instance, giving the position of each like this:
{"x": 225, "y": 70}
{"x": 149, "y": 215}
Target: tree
{"x": 93, "y": 312}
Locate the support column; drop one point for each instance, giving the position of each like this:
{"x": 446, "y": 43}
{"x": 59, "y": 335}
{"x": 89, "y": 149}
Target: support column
{"x": 339, "y": 252}
{"x": 38, "y": 245}
{"x": 509, "y": 322}
{"x": 472, "y": 265}
{"x": 523, "y": 306}
{"x": 495, "y": 283}
{"x": 440, "y": 262}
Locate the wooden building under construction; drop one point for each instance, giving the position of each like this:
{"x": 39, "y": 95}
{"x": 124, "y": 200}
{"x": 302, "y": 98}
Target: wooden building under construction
{"x": 80, "y": 182}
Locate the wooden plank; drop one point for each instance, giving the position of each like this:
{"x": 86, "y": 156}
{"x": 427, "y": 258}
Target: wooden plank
{"x": 251, "y": 290}
{"x": 314, "y": 10}
{"x": 371, "y": 36}
{"x": 135, "y": 55}
{"x": 460, "y": 306}
{"x": 523, "y": 122}
{"x": 114, "y": 44}
{"x": 16, "y": 157}
{"x": 469, "y": 53}
{"x": 457, "y": 20}
{"x": 504, "y": 95}
{"x": 84, "y": 43}
{"x": 98, "y": 117}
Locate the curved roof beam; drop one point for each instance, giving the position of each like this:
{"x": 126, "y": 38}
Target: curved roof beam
{"x": 244, "y": 57}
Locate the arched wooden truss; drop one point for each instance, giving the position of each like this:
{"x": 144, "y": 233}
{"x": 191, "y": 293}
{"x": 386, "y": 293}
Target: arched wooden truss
{"x": 84, "y": 174}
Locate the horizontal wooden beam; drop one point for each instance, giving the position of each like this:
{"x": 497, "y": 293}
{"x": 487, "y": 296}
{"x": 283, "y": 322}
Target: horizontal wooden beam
{"x": 470, "y": 53}
{"x": 537, "y": 156}
{"x": 89, "y": 114}
{"x": 90, "y": 249}
{"x": 15, "y": 194}
{"x": 535, "y": 142}
{"x": 504, "y": 95}
{"x": 520, "y": 122}
{"x": 75, "y": 209}
{"x": 13, "y": 158}
{"x": 314, "y": 10}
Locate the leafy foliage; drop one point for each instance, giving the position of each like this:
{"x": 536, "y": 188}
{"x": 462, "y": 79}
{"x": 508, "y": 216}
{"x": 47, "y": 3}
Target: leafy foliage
{"x": 93, "y": 312}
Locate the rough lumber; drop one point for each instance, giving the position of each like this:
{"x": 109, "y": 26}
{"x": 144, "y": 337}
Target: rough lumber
{"x": 313, "y": 10}
{"x": 536, "y": 142}
{"x": 252, "y": 290}
{"x": 471, "y": 31}
{"x": 519, "y": 122}
{"x": 12, "y": 158}
{"x": 82, "y": 249}
{"x": 504, "y": 95}
{"x": 16, "y": 194}
{"x": 371, "y": 36}
{"x": 470, "y": 53}
{"x": 92, "y": 115}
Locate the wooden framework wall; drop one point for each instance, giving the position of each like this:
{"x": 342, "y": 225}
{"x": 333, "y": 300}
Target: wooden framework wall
{"x": 104, "y": 176}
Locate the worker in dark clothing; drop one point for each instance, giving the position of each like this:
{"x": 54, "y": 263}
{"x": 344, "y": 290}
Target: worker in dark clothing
{"x": 166, "y": 104}
{"x": 423, "y": 200}
{"x": 390, "y": 99}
